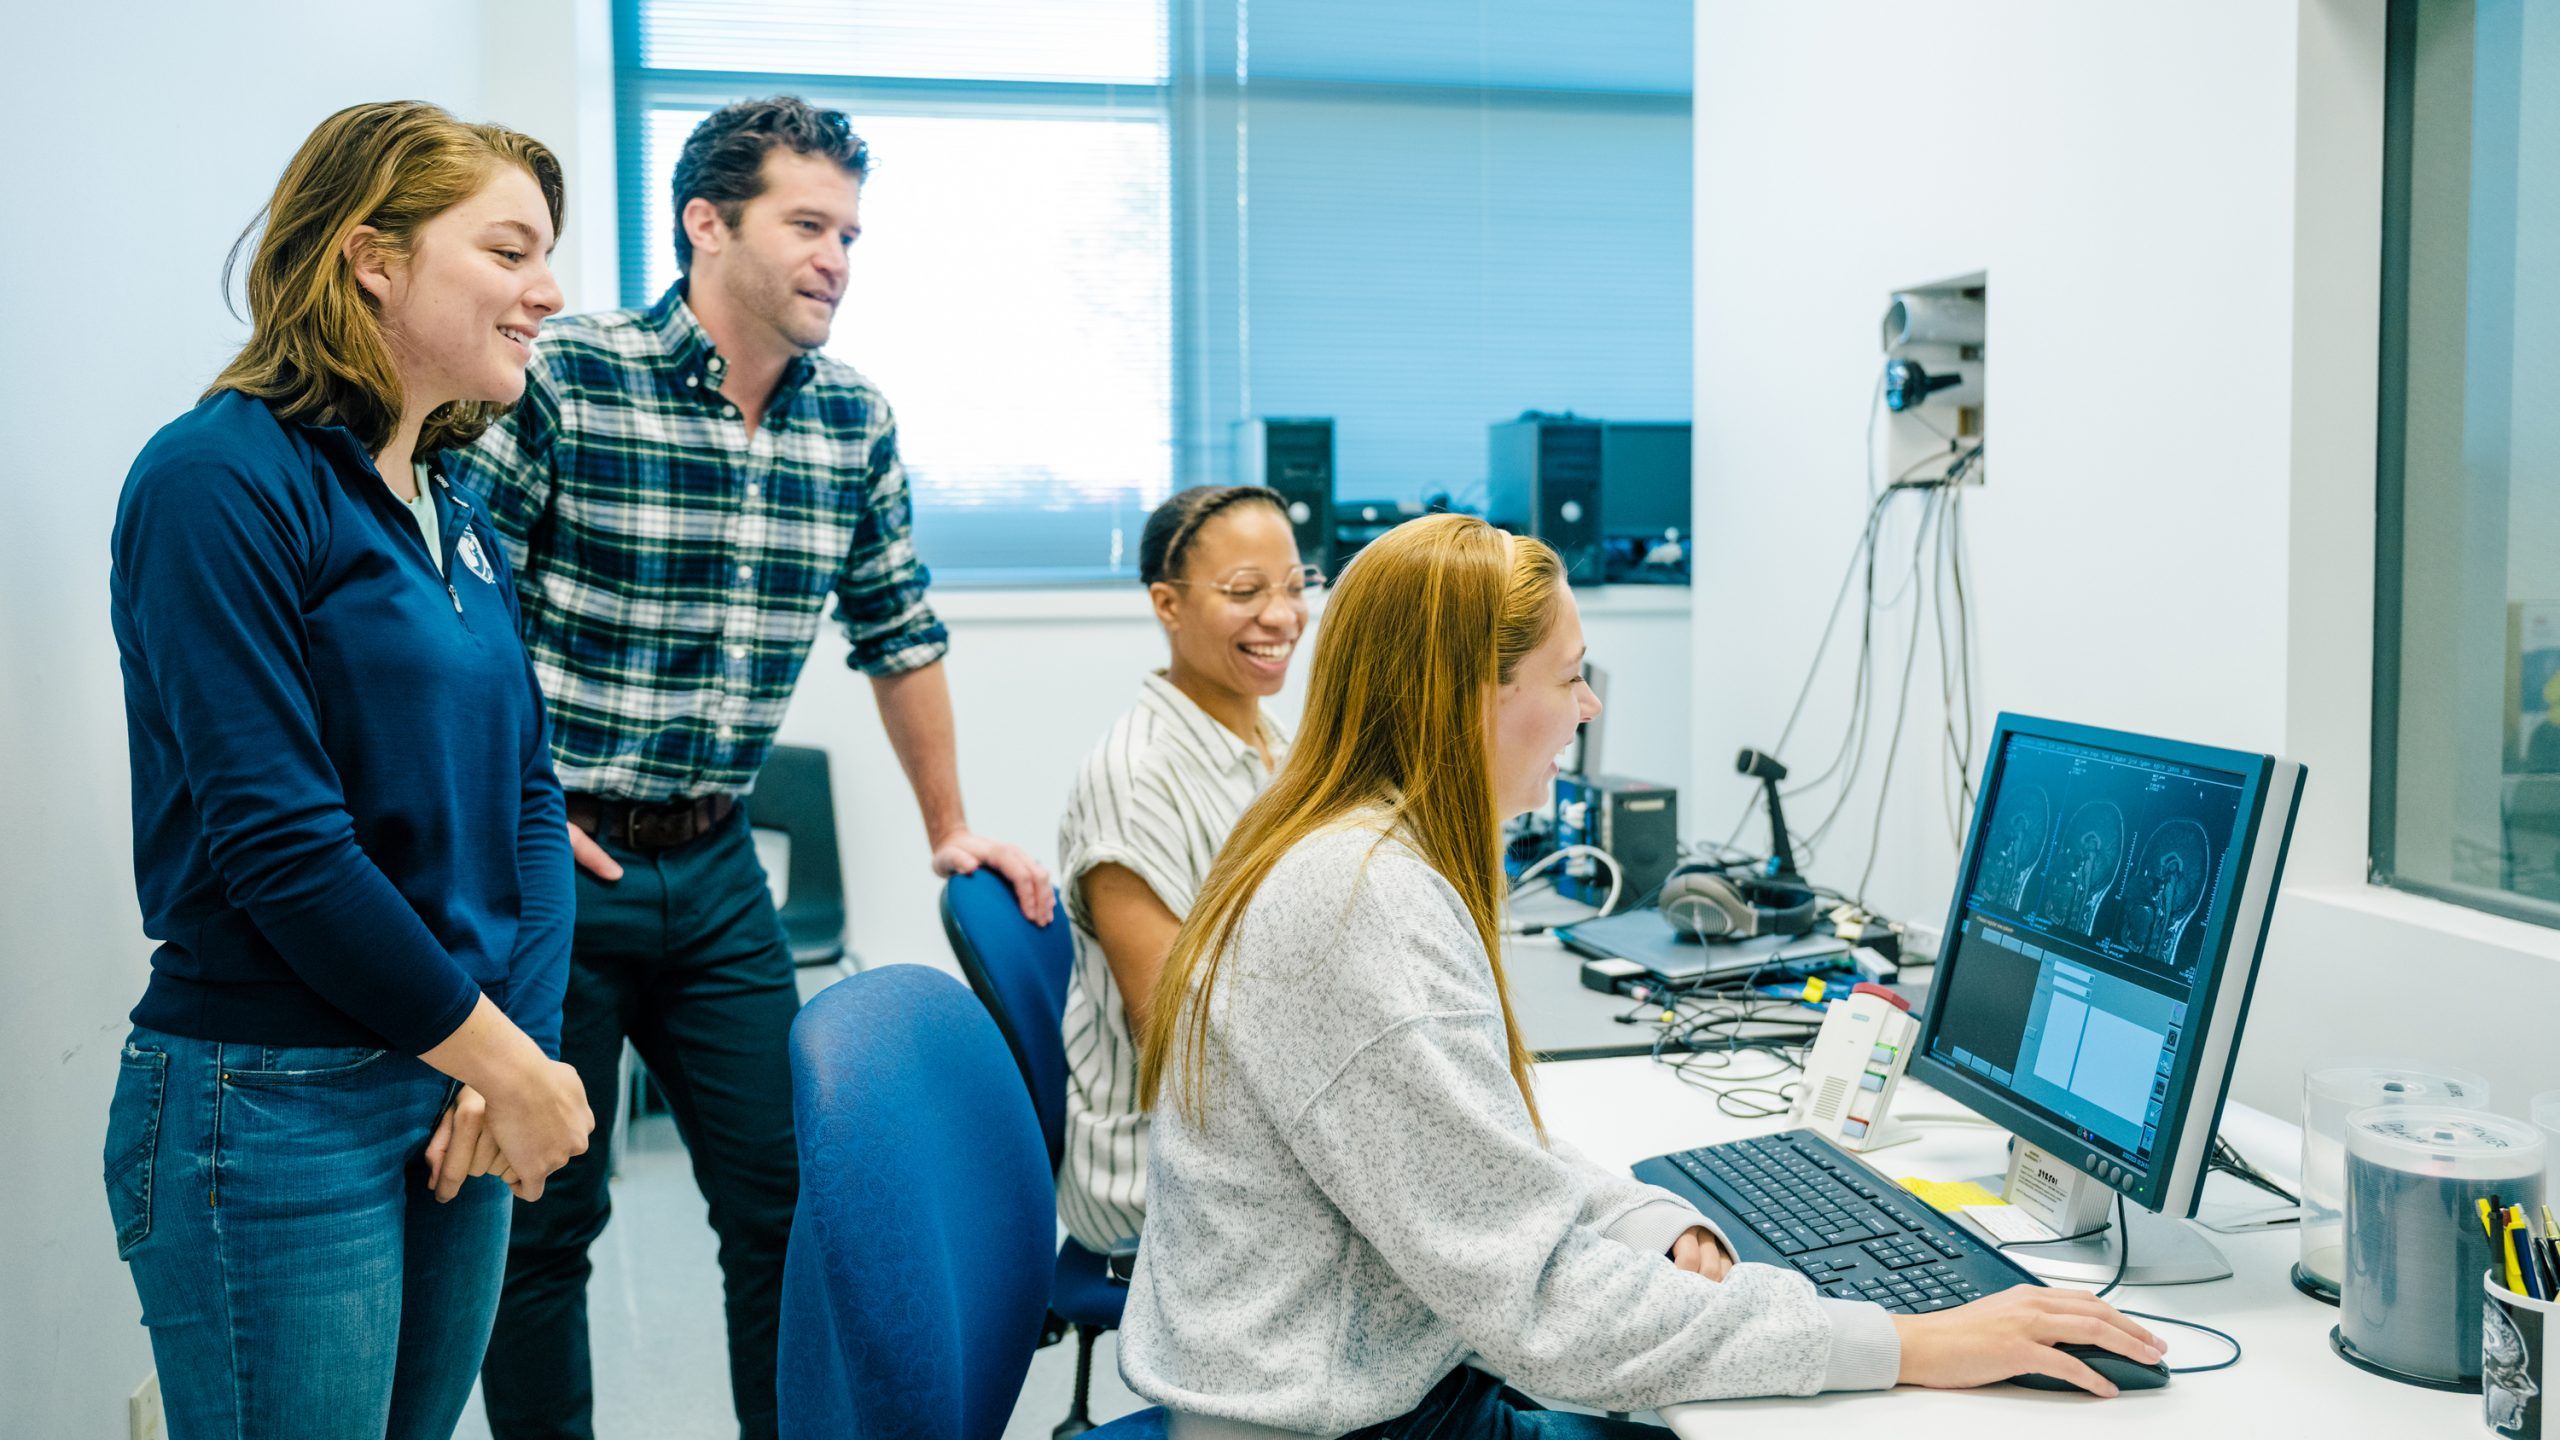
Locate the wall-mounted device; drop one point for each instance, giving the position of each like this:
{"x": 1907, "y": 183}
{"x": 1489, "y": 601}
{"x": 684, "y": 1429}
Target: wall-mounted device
{"x": 1932, "y": 385}
{"x": 1849, "y": 1077}
{"x": 1294, "y": 457}
{"x": 1542, "y": 478}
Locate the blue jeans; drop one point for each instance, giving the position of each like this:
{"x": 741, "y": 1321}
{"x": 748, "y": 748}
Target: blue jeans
{"x": 299, "y": 1280}
{"x": 1468, "y": 1404}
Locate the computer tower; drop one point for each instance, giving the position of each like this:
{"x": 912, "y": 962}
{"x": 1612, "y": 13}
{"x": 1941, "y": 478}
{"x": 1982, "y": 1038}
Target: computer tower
{"x": 1636, "y": 821}
{"x": 1543, "y": 478}
{"x": 1644, "y": 479}
{"x": 1294, "y": 457}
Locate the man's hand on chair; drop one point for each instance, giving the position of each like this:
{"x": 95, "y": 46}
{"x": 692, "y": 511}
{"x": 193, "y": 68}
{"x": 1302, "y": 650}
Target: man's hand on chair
{"x": 962, "y": 851}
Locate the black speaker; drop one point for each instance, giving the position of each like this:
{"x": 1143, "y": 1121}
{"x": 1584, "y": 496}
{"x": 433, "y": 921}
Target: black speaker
{"x": 1543, "y": 478}
{"x": 1294, "y": 457}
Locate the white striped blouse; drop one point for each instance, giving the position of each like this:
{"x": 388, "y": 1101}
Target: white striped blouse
{"x": 1158, "y": 795}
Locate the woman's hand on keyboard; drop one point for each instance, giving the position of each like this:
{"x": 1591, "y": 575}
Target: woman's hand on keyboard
{"x": 2014, "y": 1333}
{"x": 1699, "y": 1250}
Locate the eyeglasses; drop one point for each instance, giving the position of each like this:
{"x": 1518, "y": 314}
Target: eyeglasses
{"x": 1251, "y": 589}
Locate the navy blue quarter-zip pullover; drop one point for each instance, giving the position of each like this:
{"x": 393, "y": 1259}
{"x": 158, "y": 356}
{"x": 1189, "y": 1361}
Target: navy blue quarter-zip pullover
{"x": 345, "y": 824}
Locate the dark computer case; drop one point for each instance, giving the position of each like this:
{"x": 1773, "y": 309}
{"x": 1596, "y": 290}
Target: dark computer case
{"x": 1543, "y": 479}
{"x": 1636, "y": 821}
{"x": 1294, "y": 457}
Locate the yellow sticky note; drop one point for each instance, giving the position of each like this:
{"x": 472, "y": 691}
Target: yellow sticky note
{"x": 1947, "y": 1196}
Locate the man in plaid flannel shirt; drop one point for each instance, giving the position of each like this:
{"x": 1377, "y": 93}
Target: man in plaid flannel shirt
{"x": 681, "y": 490}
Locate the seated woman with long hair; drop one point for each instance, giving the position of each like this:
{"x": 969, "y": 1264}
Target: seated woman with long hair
{"x": 1350, "y": 1192}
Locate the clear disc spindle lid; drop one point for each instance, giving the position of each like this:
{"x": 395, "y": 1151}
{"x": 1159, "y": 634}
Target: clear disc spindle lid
{"x": 2331, "y": 1091}
{"x": 2446, "y": 1143}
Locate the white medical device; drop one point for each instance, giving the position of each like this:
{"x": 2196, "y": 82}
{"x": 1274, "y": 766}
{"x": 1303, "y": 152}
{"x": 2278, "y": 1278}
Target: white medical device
{"x": 1849, "y": 1077}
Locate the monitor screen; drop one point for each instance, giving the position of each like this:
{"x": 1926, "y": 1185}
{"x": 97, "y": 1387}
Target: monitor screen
{"x": 2086, "y": 952}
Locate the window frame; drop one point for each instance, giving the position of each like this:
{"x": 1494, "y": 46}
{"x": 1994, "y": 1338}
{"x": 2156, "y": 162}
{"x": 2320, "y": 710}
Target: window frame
{"x": 2391, "y": 490}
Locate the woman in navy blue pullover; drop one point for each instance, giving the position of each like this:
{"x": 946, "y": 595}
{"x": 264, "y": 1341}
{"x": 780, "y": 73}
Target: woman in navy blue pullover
{"x": 347, "y": 837}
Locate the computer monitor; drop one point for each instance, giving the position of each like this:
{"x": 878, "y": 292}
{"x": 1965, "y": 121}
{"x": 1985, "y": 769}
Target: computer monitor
{"x": 2095, "y": 971}
{"x": 1644, "y": 479}
{"x": 1585, "y": 757}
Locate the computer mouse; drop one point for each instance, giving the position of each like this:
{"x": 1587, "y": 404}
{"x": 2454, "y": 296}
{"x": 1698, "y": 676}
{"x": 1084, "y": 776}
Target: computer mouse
{"x": 2127, "y": 1372}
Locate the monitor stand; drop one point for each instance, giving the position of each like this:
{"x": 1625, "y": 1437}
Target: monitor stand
{"x": 2070, "y": 1201}
{"x": 2166, "y": 1251}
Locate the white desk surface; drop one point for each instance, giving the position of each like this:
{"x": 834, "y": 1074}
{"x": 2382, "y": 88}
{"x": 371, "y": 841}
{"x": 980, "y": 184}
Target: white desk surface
{"x": 2288, "y": 1384}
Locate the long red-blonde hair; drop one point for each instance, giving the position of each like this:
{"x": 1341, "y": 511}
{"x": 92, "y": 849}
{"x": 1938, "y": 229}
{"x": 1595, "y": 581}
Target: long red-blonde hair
{"x": 1422, "y": 627}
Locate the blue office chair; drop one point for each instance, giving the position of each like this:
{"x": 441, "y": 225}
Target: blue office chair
{"x": 1020, "y": 970}
{"x": 913, "y": 1293}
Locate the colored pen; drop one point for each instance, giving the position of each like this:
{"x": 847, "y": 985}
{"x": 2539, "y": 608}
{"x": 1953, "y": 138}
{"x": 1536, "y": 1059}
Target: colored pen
{"x": 2487, "y": 1226}
{"x": 2537, "y": 1271}
{"x": 2507, "y": 1253}
{"x": 2528, "y": 1265}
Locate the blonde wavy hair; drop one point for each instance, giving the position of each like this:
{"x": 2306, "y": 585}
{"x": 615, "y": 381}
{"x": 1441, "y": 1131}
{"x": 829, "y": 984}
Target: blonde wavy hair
{"x": 316, "y": 350}
{"x": 1422, "y": 627}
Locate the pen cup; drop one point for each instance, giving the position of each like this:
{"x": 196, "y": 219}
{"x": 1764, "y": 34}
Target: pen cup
{"x": 2516, "y": 1351}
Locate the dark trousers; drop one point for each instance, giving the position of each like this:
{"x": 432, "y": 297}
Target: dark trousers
{"x": 685, "y": 956}
{"x": 1470, "y": 1405}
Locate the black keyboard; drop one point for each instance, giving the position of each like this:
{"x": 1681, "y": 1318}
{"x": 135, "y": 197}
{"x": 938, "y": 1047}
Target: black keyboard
{"x": 1800, "y": 1201}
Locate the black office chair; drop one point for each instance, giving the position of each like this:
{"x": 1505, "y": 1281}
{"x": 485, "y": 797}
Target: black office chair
{"x": 794, "y": 796}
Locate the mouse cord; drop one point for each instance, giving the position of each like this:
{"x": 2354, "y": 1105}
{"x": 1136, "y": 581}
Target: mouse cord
{"x": 2223, "y": 1364}
{"x": 2124, "y": 1257}
{"x": 2124, "y": 1248}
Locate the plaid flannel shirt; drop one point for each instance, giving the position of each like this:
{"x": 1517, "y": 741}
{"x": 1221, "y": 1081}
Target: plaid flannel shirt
{"x": 673, "y": 567}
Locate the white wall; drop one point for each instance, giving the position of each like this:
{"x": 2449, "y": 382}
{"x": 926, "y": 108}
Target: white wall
{"x": 2177, "y": 205}
{"x": 1037, "y": 677}
{"x": 157, "y": 130}
{"x": 149, "y": 134}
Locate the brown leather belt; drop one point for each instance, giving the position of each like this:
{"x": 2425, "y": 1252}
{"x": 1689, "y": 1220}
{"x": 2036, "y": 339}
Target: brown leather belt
{"x": 639, "y": 825}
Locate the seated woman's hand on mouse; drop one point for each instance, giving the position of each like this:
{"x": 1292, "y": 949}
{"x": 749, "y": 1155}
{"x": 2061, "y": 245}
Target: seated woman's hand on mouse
{"x": 2014, "y": 1333}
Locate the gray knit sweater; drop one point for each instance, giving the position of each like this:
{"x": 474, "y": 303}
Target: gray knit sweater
{"x": 1367, "y": 1205}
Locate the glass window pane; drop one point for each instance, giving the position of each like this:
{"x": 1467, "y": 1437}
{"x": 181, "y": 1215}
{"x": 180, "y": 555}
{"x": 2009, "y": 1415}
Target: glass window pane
{"x": 1420, "y": 219}
{"x": 1011, "y": 295}
{"x": 2468, "y": 768}
{"x": 1094, "y": 41}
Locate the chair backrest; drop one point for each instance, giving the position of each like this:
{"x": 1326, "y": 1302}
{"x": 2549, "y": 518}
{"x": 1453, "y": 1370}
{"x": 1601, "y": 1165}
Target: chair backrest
{"x": 920, "y": 1258}
{"x": 1020, "y": 970}
{"x": 795, "y": 794}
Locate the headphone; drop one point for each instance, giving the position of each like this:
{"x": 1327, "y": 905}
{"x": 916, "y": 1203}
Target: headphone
{"x": 1705, "y": 902}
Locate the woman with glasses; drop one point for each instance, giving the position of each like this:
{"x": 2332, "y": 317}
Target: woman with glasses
{"x": 1152, "y": 805}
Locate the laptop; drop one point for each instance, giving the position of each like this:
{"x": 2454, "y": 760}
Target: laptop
{"x": 1647, "y": 939}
